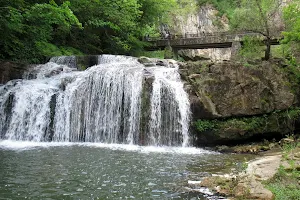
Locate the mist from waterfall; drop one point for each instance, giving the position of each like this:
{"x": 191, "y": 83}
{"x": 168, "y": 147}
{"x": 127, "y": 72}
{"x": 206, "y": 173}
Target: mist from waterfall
{"x": 103, "y": 104}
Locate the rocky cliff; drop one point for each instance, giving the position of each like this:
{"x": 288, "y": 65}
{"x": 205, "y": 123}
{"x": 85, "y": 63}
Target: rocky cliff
{"x": 233, "y": 102}
{"x": 202, "y": 21}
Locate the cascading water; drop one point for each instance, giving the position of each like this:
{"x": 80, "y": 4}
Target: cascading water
{"x": 70, "y": 61}
{"x": 169, "y": 108}
{"x": 104, "y": 103}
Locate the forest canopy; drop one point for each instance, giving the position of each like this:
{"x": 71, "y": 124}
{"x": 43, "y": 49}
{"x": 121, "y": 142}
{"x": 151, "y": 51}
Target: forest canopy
{"x": 33, "y": 30}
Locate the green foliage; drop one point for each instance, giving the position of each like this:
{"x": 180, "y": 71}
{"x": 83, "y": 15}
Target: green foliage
{"x": 252, "y": 48}
{"x": 291, "y": 16}
{"x": 292, "y": 32}
{"x": 156, "y": 11}
{"x": 278, "y": 51}
{"x": 284, "y": 192}
{"x": 32, "y": 30}
{"x": 255, "y": 124}
{"x": 257, "y": 16}
{"x": 27, "y": 32}
{"x": 168, "y": 53}
{"x": 151, "y": 54}
{"x": 285, "y": 184}
{"x": 205, "y": 125}
{"x": 293, "y": 72}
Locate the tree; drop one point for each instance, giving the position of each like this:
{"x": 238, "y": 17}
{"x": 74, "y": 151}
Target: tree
{"x": 291, "y": 35}
{"x": 29, "y": 32}
{"x": 259, "y": 16}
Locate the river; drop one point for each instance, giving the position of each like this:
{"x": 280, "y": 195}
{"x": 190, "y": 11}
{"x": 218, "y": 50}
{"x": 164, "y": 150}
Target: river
{"x": 30, "y": 170}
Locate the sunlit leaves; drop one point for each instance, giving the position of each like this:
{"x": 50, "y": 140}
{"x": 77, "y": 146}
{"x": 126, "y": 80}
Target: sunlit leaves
{"x": 292, "y": 21}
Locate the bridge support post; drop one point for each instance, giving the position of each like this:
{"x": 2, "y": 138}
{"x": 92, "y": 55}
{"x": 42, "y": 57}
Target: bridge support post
{"x": 235, "y": 47}
{"x": 168, "y": 52}
{"x": 175, "y": 53}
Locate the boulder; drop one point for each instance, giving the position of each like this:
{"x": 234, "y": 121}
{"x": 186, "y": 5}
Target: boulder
{"x": 231, "y": 89}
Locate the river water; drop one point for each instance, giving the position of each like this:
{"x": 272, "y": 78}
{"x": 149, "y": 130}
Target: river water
{"x": 31, "y": 170}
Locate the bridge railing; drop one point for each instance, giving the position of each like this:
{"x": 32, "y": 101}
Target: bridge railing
{"x": 228, "y": 35}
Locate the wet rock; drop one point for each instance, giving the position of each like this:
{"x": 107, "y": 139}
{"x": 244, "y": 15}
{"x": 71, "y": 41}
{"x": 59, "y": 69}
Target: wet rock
{"x": 64, "y": 82}
{"x": 84, "y": 62}
{"x": 12, "y": 70}
{"x": 160, "y": 63}
{"x": 194, "y": 76}
{"x": 147, "y": 62}
{"x": 247, "y": 184}
{"x": 144, "y": 60}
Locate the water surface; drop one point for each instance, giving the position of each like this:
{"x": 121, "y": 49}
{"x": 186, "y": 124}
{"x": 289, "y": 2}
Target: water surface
{"x": 100, "y": 171}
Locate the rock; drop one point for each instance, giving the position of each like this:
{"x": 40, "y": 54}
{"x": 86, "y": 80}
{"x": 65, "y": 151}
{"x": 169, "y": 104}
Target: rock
{"x": 240, "y": 130}
{"x": 286, "y": 141}
{"x": 292, "y": 161}
{"x": 144, "y": 60}
{"x": 84, "y": 62}
{"x": 160, "y": 63}
{"x": 246, "y": 185}
{"x": 257, "y": 191}
{"x": 202, "y": 21}
{"x": 264, "y": 168}
{"x": 12, "y": 70}
{"x": 231, "y": 89}
{"x": 194, "y": 76}
{"x": 149, "y": 64}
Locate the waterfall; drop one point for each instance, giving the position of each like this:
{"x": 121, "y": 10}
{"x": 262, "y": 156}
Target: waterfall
{"x": 70, "y": 61}
{"x": 105, "y": 103}
{"x": 169, "y": 108}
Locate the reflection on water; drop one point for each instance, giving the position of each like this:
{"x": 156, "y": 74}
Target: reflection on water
{"x": 95, "y": 171}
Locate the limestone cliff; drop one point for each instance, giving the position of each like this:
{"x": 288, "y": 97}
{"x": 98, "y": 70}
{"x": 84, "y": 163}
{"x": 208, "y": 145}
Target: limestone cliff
{"x": 202, "y": 21}
{"x": 233, "y": 102}
{"x": 232, "y": 89}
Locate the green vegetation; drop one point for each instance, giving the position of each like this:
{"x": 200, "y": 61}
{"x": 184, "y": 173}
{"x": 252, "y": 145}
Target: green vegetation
{"x": 285, "y": 184}
{"x": 292, "y": 32}
{"x": 273, "y": 122}
{"x": 33, "y": 30}
{"x": 252, "y": 48}
{"x": 151, "y": 54}
{"x": 256, "y": 16}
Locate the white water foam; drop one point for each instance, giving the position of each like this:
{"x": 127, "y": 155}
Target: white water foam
{"x": 28, "y": 145}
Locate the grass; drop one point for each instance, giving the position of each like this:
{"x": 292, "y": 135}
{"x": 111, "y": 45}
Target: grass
{"x": 151, "y": 54}
{"x": 285, "y": 185}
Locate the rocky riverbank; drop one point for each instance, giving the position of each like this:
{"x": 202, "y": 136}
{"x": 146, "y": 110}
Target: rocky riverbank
{"x": 256, "y": 178}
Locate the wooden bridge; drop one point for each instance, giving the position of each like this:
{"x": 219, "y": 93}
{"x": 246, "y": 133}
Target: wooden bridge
{"x": 204, "y": 40}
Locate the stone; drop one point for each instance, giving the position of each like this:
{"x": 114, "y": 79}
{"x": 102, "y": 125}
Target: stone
{"x": 246, "y": 184}
{"x": 144, "y": 60}
{"x": 160, "y": 63}
{"x": 12, "y": 70}
{"x": 232, "y": 90}
{"x": 264, "y": 168}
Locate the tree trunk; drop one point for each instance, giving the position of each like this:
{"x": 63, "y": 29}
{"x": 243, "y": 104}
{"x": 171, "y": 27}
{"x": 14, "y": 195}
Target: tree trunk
{"x": 268, "y": 49}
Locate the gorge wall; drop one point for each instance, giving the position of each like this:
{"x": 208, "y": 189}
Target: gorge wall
{"x": 202, "y": 21}
{"x": 235, "y": 103}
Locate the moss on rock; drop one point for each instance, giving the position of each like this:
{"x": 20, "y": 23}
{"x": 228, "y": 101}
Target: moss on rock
{"x": 235, "y": 130}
